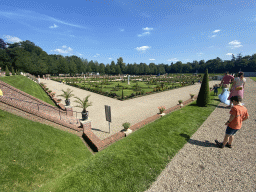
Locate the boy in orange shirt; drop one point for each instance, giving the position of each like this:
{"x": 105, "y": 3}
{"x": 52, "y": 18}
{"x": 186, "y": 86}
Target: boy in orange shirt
{"x": 238, "y": 114}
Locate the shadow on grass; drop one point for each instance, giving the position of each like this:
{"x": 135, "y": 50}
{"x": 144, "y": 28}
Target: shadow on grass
{"x": 196, "y": 142}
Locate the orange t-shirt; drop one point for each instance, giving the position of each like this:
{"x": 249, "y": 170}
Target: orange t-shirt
{"x": 240, "y": 112}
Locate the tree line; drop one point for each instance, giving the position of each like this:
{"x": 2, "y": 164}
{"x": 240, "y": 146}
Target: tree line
{"x": 25, "y": 56}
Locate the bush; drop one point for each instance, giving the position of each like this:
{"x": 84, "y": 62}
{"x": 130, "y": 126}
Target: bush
{"x": 204, "y": 94}
{"x": 7, "y": 72}
{"x": 126, "y": 125}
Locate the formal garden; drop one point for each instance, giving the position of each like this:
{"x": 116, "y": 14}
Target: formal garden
{"x": 121, "y": 88}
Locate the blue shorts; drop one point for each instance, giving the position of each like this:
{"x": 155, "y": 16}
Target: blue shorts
{"x": 230, "y": 131}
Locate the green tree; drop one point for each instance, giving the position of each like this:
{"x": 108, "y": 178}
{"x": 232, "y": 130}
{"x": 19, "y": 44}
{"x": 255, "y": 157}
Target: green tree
{"x": 7, "y": 72}
{"x": 13, "y": 73}
{"x": 204, "y": 93}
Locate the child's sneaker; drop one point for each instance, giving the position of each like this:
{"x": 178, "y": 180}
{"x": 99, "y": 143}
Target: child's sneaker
{"x": 220, "y": 145}
{"x": 229, "y": 146}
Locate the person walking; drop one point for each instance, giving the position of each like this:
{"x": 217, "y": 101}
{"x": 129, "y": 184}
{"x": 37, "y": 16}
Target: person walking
{"x": 237, "y": 88}
{"x": 226, "y": 80}
{"x": 238, "y": 114}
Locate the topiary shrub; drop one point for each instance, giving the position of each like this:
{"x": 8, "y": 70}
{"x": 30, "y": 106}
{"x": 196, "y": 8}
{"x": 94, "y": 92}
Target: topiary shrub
{"x": 204, "y": 93}
{"x": 7, "y": 72}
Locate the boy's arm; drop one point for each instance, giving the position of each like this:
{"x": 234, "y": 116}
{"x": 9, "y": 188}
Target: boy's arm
{"x": 230, "y": 119}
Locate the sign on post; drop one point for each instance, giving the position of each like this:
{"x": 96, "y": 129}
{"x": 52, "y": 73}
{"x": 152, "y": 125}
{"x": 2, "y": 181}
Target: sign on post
{"x": 108, "y": 114}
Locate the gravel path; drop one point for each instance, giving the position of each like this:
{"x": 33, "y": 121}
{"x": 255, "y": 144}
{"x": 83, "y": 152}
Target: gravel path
{"x": 133, "y": 110}
{"x": 201, "y": 166}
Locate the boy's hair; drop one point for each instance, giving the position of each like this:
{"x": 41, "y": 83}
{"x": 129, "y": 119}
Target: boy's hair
{"x": 236, "y": 98}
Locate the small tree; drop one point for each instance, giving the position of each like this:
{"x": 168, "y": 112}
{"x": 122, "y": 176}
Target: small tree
{"x": 204, "y": 93}
{"x": 7, "y": 72}
{"x": 13, "y": 73}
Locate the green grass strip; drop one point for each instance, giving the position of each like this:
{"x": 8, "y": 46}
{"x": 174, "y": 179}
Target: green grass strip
{"x": 133, "y": 163}
{"x": 33, "y": 153}
{"x": 28, "y": 86}
{"x": 253, "y": 78}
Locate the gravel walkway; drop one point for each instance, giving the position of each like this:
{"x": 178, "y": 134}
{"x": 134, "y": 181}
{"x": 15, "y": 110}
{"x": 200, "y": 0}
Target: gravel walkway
{"x": 133, "y": 110}
{"x": 201, "y": 166}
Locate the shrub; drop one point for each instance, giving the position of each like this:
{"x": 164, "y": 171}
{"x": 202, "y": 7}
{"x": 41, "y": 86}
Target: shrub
{"x": 204, "y": 93}
{"x": 126, "y": 125}
{"x": 7, "y": 72}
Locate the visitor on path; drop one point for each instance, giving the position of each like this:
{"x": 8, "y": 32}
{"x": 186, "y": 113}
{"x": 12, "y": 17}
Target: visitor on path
{"x": 224, "y": 95}
{"x": 238, "y": 114}
{"x": 226, "y": 80}
{"x": 215, "y": 88}
{"x": 237, "y": 88}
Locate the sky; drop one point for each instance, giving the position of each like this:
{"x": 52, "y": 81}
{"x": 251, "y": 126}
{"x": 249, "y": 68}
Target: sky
{"x": 158, "y": 31}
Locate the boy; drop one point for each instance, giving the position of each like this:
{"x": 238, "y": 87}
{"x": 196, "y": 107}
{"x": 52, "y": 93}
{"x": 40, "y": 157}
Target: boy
{"x": 215, "y": 88}
{"x": 238, "y": 114}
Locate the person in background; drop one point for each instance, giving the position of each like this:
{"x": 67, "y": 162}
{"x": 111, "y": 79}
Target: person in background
{"x": 226, "y": 80}
{"x": 237, "y": 88}
{"x": 215, "y": 88}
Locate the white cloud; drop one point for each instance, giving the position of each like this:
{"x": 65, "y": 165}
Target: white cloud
{"x": 54, "y": 26}
{"x": 152, "y": 59}
{"x": 216, "y": 31}
{"x": 11, "y": 39}
{"x": 142, "y": 48}
{"x": 65, "y": 50}
{"x": 173, "y": 60}
{"x": 147, "y": 29}
{"x": 122, "y": 30}
{"x": 143, "y": 34}
{"x": 200, "y": 54}
{"x": 97, "y": 54}
{"x": 214, "y": 35}
{"x": 229, "y": 53}
{"x": 109, "y": 58}
{"x": 235, "y": 44}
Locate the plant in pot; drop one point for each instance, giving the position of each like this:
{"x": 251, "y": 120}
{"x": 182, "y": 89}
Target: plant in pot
{"x": 83, "y": 103}
{"x": 67, "y": 95}
{"x": 161, "y": 109}
{"x": 126, "y": 125}
{"x": 181, "y": 103}
{"x": 192, "y": 96}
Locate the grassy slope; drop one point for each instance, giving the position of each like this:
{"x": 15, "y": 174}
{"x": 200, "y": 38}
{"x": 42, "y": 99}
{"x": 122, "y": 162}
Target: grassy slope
{"x": 134, "y": 162}
{"x": 253, "y": 78}
{"x": 28, "y": 86}
{"x": 33, "y": 153}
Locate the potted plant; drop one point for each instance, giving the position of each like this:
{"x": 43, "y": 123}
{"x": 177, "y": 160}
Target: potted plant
{"x": 192, "y": 96}
{"x": 83, "y": 104}
{"x": 67, "y": 95}
{"x": 126, "y": 125}
{"x": 161, "y": 109}
{"x": 181, "y": 103}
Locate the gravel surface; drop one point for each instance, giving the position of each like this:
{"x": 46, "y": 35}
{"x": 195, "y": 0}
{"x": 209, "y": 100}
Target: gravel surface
{"x": 132, "y": 110}
{"x": 201, "y": 166}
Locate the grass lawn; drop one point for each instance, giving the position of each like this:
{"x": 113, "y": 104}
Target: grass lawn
{"x": 133, "y": 163}
{"x": 25, "y": 84}
{"x": 253, "y": 78}
{"x": 33, "y": 154}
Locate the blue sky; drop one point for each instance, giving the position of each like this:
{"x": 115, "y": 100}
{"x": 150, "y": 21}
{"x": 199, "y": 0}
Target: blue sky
{"x": 159, "y": 31}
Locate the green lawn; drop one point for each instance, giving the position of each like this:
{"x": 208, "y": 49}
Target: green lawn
{"x": 33, "y": 154}
{"x": 253, "y": 78}
{"x": 25, "y": 84}
{"x": 38, "y": 157}
{"x": 133, "y": 163}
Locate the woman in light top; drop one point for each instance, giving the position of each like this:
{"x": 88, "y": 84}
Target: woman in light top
{"x": 237, "y": 88}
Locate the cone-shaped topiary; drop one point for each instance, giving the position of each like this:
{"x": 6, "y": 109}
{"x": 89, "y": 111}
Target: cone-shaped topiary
{"x": 13, "y": 73}
{"x": 204, "y": 93}
{"x": 7, "y": 72}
